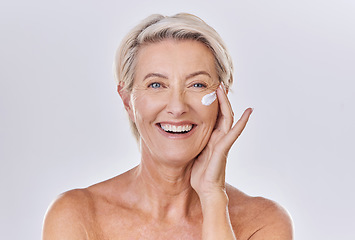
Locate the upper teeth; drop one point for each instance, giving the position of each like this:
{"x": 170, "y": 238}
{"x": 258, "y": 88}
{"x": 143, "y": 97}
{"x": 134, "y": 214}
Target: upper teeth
{"x": 174, "y": 128}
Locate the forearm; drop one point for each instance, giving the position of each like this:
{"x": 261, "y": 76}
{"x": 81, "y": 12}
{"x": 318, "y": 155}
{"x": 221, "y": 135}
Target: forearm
{"x": 216, "y": 220}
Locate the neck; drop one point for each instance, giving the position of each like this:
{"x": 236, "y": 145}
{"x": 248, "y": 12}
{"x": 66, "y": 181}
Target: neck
{"x": 165, "y": 190}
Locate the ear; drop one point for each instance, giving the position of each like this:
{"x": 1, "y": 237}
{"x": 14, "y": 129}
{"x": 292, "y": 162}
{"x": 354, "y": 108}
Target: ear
{"x": 126, "y": 99}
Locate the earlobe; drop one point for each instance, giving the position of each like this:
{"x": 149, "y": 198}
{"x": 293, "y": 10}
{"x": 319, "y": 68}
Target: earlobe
{"x": 126, "y": 99}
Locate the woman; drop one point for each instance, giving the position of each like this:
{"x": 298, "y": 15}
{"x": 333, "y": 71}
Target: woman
{"x": 173, "y": 76}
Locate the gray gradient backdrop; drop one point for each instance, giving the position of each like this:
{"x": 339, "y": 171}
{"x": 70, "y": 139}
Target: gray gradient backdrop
{"x": 63, "y": 126}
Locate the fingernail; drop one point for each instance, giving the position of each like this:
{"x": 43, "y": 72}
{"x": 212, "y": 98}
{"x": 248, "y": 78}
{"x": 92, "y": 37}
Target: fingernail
{"x": 223, "y": 87}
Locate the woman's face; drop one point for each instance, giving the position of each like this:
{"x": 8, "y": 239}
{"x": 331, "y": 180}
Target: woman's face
{"x": 170, "y": 80}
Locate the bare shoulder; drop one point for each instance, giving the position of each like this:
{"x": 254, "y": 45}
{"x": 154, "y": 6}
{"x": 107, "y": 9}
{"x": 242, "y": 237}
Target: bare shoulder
{"x": 257, "y": 217}
{"x": 67, "y": 216}
{"x": 80, "y": 213}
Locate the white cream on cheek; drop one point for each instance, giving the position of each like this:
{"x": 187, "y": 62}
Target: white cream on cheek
{"x": 208, "y": 99}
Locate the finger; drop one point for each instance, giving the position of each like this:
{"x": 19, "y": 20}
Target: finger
{"x": 225, "y": 116}
{"x": 237, "y": 129}
{"x": 223, "y": 87}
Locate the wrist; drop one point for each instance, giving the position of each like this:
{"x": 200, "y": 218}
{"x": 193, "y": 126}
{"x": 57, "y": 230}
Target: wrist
{"x": 216, "y": 219}
{"x": 214, "y": 200}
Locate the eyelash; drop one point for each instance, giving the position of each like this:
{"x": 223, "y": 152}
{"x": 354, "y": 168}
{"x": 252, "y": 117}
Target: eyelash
{"x": 154, "y": 83}
{"x": 201, "y": 85}
{"x": 195, "y": 85}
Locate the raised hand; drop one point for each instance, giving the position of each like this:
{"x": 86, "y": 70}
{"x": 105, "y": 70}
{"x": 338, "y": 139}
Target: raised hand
{"x": 208, "y": 171}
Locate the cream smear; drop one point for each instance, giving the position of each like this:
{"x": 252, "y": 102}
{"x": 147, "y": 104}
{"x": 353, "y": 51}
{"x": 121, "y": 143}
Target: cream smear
{"x": 208, "y": 99}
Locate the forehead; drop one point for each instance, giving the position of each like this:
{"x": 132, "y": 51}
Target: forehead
{"x": 170, "y": 57}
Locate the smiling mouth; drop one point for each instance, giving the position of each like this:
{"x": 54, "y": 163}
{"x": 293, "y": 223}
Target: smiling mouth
{"x": 176, "y": 129}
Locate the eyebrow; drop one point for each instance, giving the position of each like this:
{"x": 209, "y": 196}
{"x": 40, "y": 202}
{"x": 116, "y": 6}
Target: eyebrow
{"x": 198, "y": 73}
{"x": 149, "y": 75}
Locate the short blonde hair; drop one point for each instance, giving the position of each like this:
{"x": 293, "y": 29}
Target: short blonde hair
{"x": 156, "y": 28}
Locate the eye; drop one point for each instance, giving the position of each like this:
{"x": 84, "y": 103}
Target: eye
{"x": 199, "y": 85}
{"x": 155, "y": 85}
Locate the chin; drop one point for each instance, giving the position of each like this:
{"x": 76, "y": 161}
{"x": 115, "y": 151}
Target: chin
{"x": 177, "y": 158}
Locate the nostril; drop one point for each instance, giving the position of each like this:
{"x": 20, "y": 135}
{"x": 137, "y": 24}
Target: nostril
{"x": 176, "y": 104}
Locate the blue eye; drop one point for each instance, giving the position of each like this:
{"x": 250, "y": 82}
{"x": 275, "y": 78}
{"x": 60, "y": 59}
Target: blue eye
{"x": 155, "y": 85}
{"x": 198, "y": 85}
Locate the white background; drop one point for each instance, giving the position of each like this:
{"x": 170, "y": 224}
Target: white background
{"x": 63, "y": 126}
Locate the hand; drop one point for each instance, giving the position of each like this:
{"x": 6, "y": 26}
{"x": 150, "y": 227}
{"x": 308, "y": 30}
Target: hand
{"x": 208, "y": 170}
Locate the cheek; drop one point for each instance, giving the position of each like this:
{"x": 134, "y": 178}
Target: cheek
{"x": 213, "y": 113}
{"x": 146, "y": 106}
{"x": 208, "y": 113}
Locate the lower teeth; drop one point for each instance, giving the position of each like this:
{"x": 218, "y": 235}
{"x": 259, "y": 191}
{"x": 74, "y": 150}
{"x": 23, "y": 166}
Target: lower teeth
{"x": 176, "y": 132}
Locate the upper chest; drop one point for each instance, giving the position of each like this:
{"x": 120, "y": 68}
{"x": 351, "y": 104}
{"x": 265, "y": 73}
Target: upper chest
{"x": 121, "y": 223}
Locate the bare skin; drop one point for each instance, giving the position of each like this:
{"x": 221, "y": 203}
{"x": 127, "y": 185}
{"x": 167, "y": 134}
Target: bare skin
{"x": 110, "y": 210}
{"x": 178, "y": 191}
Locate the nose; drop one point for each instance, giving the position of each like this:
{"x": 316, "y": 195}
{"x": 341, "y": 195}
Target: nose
{"x": 176, "y": 104}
